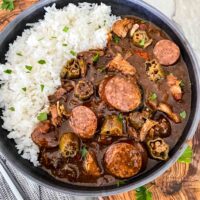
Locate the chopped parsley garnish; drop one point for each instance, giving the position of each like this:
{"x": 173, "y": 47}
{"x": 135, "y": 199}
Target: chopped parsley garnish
{"x": 7, "y": 5}
{"x": 142, "y": 193}
{"x": 73, "y": 53}
{"x": 120, "y": 117}
{"x": 28, "y": 67}
{"x": 19, "y": 54}
{"x": 64, "y": 45}
{"x": 95, "y": 57}
{"x": 12, "y": 109}
{"x": 83, "y": 152}
{"x": 186, "y": 157}
{"x": 53, "y": 37}
{"x": 119, "y": 183}
{"x": 8, "y": 71}
{"x": 24, "y": 89}
{"x": 42, "y": 62}
{"x": 116, "y": 39}
{"x": 42, "y": 116}
{"x": 66, "y": 29}
{"x": 41, "y": 87}
{"x": 183, "y": 114}
{"x": 153, "y": 96}
{"x": 142, "y": 42}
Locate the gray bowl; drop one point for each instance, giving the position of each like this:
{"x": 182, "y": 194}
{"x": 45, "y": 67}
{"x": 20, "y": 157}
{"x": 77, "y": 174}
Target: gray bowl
{"x": 119, "y": 7}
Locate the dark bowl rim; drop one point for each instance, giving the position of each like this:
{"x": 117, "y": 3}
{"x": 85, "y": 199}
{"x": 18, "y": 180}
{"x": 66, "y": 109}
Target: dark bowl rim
{"x": 172, "y": 159}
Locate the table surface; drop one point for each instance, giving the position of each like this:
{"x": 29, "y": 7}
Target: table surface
{"x": 180, "y": 182}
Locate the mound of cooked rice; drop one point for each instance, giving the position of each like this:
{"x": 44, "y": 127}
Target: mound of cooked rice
{"x": 34, "y": 62}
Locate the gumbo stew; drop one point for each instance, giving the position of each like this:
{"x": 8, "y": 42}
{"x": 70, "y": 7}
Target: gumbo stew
{"x": 119, "y": 110}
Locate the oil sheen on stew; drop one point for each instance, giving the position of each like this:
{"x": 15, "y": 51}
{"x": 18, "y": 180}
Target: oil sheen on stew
{"x": 119, "y": 110}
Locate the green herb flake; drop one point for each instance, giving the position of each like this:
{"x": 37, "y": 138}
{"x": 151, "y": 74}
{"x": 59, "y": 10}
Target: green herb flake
{"x": 182, "y": 84}
{"x": 116, "y": 39}
{"x": 143, "y": 194}
{"x": 12, "y": 109}
{"x": 66, "y": 29}
{"x": 73, "y": 53}
{"x": 53, "y": 37}
{"x": 187, "y": 155}
{"x": 83, "y": 152}
{"x": 42, "y": 62}
{"x": 42, "y": 116}
{"x": 95, "y": 57}
{"x": 8, "y": 71}
{"x": 7, "y": 5}
{"x": 183, "y": 114}
{"x": 65, "y": 45}
{"x": 119, "y": 183}
{"x": 28, "y": 67}
{"x": 19, "y": 54}
{"x": 142, "y": 42}
{"x": 153, "y": 96}
{"x": 120, "y": 117}
{"x": 41, "y": 87}
{"x": 24, "y": 89}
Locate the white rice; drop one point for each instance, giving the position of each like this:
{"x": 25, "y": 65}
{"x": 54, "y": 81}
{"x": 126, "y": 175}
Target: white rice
{"x": 88, "y": 27}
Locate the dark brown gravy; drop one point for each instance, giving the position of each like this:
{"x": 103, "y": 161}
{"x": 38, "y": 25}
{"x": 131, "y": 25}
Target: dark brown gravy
{"x": 70, "y": 169}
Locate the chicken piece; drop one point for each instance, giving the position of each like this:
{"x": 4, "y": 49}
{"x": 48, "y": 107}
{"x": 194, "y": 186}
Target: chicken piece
{"x": 175, "y": 87}
{"x": 121, "y": 65}
{"x": 90, "y": 164}
{"x": 132, "y": 132}
{"x": 168, "y": 110}
{"x": 146, "y": 127}
{"x": 122, "y": 26}
{"x": 136, "y": 120}
{"x": 60, "y": 92}
{"x": 55, "y": 118}
{"x": 43, "y": 137}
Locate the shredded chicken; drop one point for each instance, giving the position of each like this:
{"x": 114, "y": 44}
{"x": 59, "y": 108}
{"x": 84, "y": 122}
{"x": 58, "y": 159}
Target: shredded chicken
{"x": 59, "y": 93}
{"x": 146, "y": 127}
{"x": 55, "y": 118}
{"x": 121, "y": 27}
{"x": 168, "y": 110}
{"x": 121, "y": 65}
{"x": 175, "y": 87}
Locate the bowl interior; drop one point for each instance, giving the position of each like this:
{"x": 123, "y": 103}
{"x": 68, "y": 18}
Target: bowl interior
{"x": 119, "y": 7}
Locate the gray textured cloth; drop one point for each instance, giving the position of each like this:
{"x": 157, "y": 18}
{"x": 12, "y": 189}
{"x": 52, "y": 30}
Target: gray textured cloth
{"x": 32, "y": 190}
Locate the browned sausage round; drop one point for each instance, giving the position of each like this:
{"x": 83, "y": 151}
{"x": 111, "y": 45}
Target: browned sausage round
{"x": 122, "y": 93}
{"x": 167, "y": 52}
{"x": 83, "y": 121}
{"x": 102, "y": 87}
{"x": 123, "y": 160}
